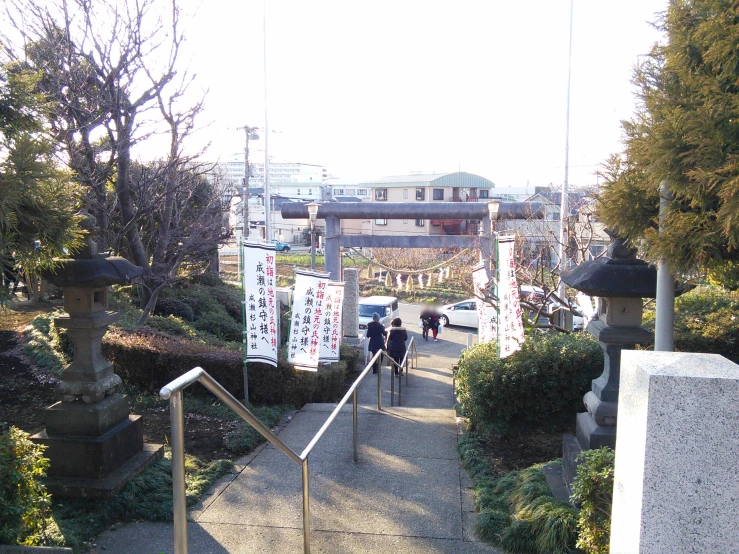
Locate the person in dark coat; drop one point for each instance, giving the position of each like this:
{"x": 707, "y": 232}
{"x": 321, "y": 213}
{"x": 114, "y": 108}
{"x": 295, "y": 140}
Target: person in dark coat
{"x": 376, "y": 334}
{"x": 426, "y": 315}
{"x": 397, "y": 335}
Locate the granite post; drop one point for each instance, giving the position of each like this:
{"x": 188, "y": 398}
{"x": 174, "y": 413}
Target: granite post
{"x": 677, "y": 447}
{"x": 350, "y": 311}
{"x": 93, "y": 443}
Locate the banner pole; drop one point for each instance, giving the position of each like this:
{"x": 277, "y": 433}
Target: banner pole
{"x": 497, "y": 295}
{"x": 243, "y": 319}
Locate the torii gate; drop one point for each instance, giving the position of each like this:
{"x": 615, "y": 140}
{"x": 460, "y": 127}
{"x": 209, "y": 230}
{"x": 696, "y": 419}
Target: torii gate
{"x": 334, "y": 212}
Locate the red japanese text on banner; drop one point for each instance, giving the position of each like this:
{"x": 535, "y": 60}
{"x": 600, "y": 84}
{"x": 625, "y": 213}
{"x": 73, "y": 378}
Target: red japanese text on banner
{"x": 304, "y": 340}
{"x": 261, "y": 303}
{"x": 331, "y": 324}
{"x": 487, "y": 316}
{"x": 510, "y": 320}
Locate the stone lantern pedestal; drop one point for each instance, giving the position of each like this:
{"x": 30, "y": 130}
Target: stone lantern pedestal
{"x": 621, "y": 281}
{"x": 93, "y": 443}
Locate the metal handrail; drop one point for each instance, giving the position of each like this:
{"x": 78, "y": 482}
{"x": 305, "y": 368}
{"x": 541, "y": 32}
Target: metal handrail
{"x": 402, "y": 365}
{"x": 173, "y": 392}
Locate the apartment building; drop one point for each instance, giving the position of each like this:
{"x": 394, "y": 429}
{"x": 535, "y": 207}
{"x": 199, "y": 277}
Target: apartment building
{"x": 428, "y": 187}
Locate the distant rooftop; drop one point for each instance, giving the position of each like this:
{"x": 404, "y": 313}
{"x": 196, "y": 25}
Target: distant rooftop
{"x": 456, "y": 179}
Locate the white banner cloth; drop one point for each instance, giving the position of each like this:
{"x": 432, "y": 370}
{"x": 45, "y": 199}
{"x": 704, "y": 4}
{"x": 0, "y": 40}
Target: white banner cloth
{"x": 305, "y": 325}
{"x": 510, "y": 328}
{"x": 260, "y": 303}
{"x": 331, "y": 324}
{"x": 487, "y": 316}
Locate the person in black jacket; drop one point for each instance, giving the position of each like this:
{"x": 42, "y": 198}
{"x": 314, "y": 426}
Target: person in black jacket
{"x": 376, "y": 334}
{"x": 396, "y": 342}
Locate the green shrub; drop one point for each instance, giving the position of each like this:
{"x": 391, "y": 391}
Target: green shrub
{"x": 539, "y": 387}
{"x": 705, "y": 321}
{"x": 490, "y": 524}
{"x": 24, "y": 503}
{"x": 220, "y": 325}
{"x": 45, "y": 346}
{"x": 207, "y": 280}
{"x": 592, "y": 490}
{"x": 149, "y": 360}
{"x": 172, "y": 306}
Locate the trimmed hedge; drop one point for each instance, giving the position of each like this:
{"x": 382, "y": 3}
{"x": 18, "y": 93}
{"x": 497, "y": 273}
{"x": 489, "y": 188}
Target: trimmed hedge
{"x": 540, "y": 387}
{"x": 150, "y": 360}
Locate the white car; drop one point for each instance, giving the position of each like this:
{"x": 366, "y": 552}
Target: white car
{"x": 464, "y": 314}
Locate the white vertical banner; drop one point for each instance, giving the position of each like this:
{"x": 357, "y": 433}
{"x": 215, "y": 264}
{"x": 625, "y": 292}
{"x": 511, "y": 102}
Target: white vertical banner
{"x": 586, "y": 306}
{"x": 487, "y": 316}
{"x": 260, "y": 303}
{"x": 331, "y": 325}
{"x": 305, "y": 326}
{"x": 510, "y": 323}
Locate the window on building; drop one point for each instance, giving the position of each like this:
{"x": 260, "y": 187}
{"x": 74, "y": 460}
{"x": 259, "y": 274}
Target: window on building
{"x": 405, "y": 221}
{"x": 338, "y": 192}
{"x": 553, "y": 216}
{"x": 420, "y": 223}
{"x": 484, "y": 193}
{"x": 438, "y": 194}
{"x": 298, "y": 192}
{"x": 380, "y": 221}
{"x": 405, "y": 194}
{"x": 420, "y": 194}
{"x": 361, "y": 192}
{"x": 380, "y": 194}
{"x": 351, "y": 192}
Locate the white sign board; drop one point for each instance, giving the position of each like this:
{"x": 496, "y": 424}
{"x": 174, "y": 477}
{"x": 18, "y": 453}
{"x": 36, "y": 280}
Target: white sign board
{"x": 510, "y": 322}
{"x": 260, "y": 303}
{"x": 331, "y": 324}
{"x": 307, "y": 318}
{"x": 487, "y": 316}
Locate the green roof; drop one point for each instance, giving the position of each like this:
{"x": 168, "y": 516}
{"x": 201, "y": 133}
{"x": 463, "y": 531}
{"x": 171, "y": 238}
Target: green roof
{"x": 457, "y": 179}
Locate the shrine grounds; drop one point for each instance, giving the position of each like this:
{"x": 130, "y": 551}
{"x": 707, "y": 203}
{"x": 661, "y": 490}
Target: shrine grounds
{"x": 504, "y": 452}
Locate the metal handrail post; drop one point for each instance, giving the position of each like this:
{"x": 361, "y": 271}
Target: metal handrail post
{"x": 400, "y": 386}
{"x": 392, "y": 381}
{"x": 355, "y": 421}
{"x": 179, "y": 504}
{"x": 379, "y": 385}
{"x": 306, "y": 508}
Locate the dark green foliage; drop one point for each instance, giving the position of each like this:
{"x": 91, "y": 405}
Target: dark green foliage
{"x": 220, "y": 325}
{"x": 705, "y": 321}
{"x": 592, "y": 490}
{"x": 490, "y": 524}
{"x": 519, "y": 538}
{"x": 147, "y": 497}
{"x": 538, "y": 388}
{"x": 684, "y": 132}
{"x": 149, "y": 360}
{"x": 172, "y": 306}
{"x": 207, "y": 280}
{"x": 24, "y": 503}
{"x": 517, "y": 510}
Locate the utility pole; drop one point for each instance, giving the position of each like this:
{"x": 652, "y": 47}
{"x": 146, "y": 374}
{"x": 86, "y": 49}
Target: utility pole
{"x": 250, "y": 133}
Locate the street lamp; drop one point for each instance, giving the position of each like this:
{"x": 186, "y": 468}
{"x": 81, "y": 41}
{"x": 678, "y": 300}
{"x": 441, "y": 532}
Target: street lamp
{"x": 312, "y": 213}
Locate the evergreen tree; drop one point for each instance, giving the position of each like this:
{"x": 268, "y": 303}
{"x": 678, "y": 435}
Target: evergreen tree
{"x": 685, "y": 132}
{"x": 37, "y": 198}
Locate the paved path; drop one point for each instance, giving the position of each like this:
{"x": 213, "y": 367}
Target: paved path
{"x": 407, "y": 494}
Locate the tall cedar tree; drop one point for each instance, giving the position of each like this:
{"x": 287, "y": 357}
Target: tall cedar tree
{"x": 686, "y": 132}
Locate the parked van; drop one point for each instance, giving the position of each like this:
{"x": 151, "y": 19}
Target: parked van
{"x": 385, "y": 306}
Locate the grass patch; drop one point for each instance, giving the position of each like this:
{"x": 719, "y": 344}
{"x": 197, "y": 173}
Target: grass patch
{"x": 148, "y": 497}
{"x": 517, "y": 510}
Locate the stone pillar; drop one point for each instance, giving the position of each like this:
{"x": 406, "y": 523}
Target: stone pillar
{"x": 332, "y": 264}
{"x": 676, "y": 485}
{"x": 350, "y": 311}
{"x": 617, "y": 328}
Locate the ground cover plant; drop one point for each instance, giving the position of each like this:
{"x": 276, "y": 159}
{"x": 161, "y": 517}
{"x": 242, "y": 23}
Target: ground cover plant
{"x": 539, "y": 388}
{"x": 517, "y": 510}
{"x": 592, "y": 490}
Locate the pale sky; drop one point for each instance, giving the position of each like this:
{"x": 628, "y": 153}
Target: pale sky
{"x": 387, "y": 87}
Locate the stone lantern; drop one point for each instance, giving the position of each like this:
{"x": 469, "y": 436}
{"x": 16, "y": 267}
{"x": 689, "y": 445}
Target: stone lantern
{"x": 94, "y": 444}
{"x": 620, "y": 280}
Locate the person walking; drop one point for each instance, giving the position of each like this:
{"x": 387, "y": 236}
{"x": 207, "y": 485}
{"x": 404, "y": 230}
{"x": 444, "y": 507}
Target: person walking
{"x": 376, "y": 334}
{"x": 396, "y": 338}
{"x": 435, "y": 323}
{"x": 426, "y": 314}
